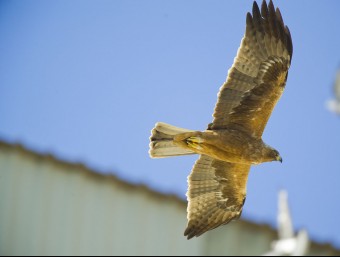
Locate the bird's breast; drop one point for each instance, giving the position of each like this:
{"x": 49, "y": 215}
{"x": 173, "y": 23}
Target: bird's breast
{"x": 232, "y": 146}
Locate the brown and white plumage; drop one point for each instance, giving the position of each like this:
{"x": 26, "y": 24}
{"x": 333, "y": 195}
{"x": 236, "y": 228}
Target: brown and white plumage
{"x": 217, "y": 191}
{"x": 233, "y": 141}
{"x": 256, "y": 79}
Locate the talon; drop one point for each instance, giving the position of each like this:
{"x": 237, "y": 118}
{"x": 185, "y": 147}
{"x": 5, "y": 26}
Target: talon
{"x": 195, "y": 140}
{"x": 194, "y": 145}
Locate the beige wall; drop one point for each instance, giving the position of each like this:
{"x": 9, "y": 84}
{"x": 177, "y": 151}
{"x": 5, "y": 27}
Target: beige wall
{"x": 49, "y": 207}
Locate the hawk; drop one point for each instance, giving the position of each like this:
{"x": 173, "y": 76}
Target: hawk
{"x": 233, "y": 141}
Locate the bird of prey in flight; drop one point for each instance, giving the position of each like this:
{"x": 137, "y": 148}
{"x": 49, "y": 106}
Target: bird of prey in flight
{"x": 233, "y": 141}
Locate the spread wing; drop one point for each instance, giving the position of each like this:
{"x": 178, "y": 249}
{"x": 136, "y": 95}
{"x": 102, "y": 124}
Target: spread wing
{"x": 257, "y": 77}
{"x": 216, "y": 194}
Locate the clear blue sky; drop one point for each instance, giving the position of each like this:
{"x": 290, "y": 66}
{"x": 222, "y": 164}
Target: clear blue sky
{"x": 87, "y": 80}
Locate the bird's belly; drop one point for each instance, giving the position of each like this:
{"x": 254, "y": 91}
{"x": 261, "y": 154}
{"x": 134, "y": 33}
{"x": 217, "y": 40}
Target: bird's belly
{"x": 225, "y": 146}
{"x": 230, "y": 154}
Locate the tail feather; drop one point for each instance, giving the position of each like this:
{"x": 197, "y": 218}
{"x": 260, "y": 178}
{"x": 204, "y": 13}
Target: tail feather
{"x": 161, "y": 141}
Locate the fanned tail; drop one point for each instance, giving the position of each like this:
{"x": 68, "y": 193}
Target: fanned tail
{"x": 161, "y": 141}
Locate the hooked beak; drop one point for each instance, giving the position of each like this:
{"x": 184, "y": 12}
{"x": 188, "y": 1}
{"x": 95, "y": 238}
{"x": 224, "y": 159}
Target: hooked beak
{"x": 279, "y": 158}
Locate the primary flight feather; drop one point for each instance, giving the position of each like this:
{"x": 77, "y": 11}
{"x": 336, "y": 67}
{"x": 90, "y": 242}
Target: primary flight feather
{"x": 233, "y": 141}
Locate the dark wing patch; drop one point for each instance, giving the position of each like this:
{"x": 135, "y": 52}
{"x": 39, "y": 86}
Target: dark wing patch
{"x": 257, "y": 105}
{"x": 262, "y": 60}
{"x": 216, "y": 194}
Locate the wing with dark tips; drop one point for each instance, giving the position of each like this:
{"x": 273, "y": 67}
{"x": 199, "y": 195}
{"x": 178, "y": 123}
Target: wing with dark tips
{"x": 257, "y": 77}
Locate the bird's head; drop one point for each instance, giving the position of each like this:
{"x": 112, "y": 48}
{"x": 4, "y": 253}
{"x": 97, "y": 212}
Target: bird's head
{"x": 272, "y": 154}
{"x": 276, "y": 155}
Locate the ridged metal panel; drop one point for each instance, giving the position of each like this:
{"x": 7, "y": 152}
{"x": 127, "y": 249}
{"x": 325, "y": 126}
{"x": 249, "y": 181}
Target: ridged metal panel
{"x": 47, "y": 208}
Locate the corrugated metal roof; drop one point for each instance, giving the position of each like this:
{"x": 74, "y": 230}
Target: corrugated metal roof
{"x": 85, "y": 171}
